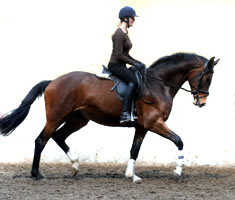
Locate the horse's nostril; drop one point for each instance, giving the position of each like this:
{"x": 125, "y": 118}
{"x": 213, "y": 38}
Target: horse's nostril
{"x": 201, "y": 105}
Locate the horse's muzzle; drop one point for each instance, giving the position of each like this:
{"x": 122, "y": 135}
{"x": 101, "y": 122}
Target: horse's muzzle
{"x": 199, "y": 101}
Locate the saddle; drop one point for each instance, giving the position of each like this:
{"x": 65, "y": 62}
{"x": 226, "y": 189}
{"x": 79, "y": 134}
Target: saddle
{"x": 120, "y": 87}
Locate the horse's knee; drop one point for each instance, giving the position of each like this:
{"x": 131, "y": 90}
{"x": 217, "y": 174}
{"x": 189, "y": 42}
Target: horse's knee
{"x": 179, "y": 143}
{"x": 177, "y": 140}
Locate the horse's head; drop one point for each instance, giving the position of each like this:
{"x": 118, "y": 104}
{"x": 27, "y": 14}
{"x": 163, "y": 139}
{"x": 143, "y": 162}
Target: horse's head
{"x": 200, "y": 81}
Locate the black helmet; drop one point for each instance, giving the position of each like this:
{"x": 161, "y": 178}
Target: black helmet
{"x": 127, "y": 12}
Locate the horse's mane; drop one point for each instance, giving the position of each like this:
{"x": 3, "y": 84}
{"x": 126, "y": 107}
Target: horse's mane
{"x": 177, "y": 57}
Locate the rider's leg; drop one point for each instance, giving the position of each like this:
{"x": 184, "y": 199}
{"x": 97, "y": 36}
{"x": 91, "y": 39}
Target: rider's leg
{"x": 127, "y": 101}
{"x": 122, "y": 72}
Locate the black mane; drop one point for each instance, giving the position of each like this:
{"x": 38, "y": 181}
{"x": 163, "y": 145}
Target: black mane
{"x": 177, "y": 57}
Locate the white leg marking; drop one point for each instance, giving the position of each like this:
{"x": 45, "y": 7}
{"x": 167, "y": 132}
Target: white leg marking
{"x": 74, "y": 159}
{"x": 179, "y": 164}
{"x": 137, "y": 179}
{"x": 130, "y": 171}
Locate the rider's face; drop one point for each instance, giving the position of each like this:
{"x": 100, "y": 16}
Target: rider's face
{"x": 131, "y": 21}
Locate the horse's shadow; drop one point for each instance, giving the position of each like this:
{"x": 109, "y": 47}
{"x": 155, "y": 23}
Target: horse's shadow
{"x": 146, "y": 175}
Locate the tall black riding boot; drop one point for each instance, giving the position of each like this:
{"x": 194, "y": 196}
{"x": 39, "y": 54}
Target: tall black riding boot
{"x": 126, "y": 107}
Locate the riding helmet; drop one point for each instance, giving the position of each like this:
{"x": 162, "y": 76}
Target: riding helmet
{"x": 127, "y": 12}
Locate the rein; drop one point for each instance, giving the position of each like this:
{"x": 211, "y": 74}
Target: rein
{"x": 169, "y": 84}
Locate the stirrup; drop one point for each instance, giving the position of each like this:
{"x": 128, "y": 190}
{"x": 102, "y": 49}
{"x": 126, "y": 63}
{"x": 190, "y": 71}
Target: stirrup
{"x": 125, "y": 117}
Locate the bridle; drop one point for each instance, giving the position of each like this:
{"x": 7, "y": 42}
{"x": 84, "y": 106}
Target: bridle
{"x": 197, "y": 89}
{"x": 194, "y": 92}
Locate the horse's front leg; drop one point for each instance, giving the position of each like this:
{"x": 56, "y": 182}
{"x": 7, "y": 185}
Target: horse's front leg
{"x": 161, "y": 128}
{"x": 138, "y": 139}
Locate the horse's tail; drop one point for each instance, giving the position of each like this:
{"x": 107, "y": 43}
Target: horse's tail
{"x": 12, "y": 120}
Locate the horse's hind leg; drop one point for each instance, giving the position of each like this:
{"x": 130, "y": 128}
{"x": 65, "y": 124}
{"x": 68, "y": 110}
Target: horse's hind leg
{"x": 138, "y": 139}
{"x": 40, "y": 143}
{"x": 73, "y": 123}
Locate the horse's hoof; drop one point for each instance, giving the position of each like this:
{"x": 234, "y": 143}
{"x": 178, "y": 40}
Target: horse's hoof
{"x": 129, "y": 174}
{"x": 74, "y": 172}
{"x": 137, "y": 179}
{"x": 177, "y": 173}
{"x": 37, "y": 176}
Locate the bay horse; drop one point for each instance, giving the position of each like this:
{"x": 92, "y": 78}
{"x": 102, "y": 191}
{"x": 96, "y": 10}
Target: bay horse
{"x": 73, "y": 99}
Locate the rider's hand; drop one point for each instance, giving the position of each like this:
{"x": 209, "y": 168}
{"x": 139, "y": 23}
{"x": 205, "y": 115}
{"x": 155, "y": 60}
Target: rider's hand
{"x": 140, "y": 66}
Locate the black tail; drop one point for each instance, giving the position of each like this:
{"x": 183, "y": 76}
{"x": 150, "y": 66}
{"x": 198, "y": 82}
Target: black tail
{"x": 17, "y": 116}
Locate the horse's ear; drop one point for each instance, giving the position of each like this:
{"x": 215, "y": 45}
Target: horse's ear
{"x": 215, "y": 63}
{"x": 211, "y": 61}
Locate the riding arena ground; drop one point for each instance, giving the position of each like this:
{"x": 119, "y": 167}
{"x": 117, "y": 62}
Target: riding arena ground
{"x": 103, "y": 181}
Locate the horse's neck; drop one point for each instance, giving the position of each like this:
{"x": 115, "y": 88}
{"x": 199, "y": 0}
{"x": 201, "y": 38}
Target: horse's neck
{"x": 175, "y": 76}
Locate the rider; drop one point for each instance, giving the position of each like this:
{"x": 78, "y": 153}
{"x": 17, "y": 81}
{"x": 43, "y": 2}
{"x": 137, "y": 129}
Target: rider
{"x": 120, "y": 57}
